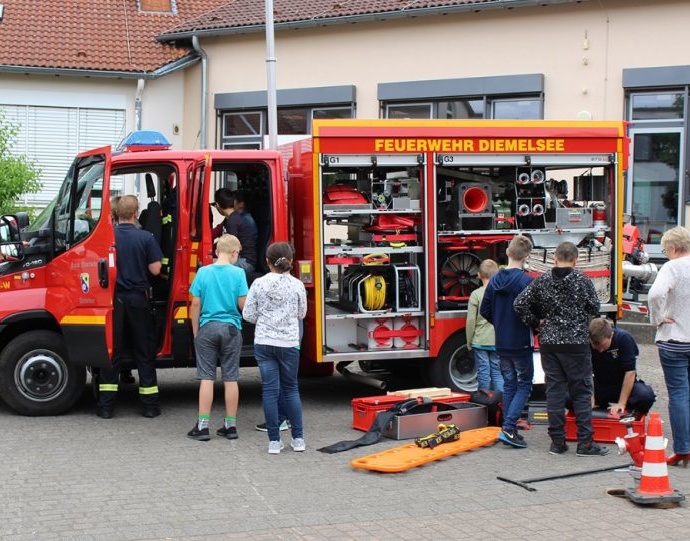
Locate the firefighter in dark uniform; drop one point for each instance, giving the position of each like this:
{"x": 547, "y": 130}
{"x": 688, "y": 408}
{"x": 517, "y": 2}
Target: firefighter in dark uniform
{"x": 138, "y": 254}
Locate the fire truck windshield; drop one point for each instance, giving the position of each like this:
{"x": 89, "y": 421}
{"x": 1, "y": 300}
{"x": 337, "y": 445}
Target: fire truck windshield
{"x": 72, "y": 215}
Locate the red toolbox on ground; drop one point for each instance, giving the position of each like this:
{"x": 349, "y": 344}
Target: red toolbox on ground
{"x": 364, "y": 410}
{"x": 606, "y": 429}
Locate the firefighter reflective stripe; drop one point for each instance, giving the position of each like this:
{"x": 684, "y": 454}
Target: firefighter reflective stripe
{"x": 165, "y": 261}
{"x": 167, "y": 219}
{"x": 108, "y": 387}
{"x": 148, "y": 390}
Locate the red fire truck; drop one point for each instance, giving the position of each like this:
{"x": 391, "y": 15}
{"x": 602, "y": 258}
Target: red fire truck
{"x": 390, "y": 220}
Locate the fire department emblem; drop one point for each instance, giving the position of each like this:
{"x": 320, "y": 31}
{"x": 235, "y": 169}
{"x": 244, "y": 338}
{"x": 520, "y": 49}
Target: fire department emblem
{"x": 84, "y": 278}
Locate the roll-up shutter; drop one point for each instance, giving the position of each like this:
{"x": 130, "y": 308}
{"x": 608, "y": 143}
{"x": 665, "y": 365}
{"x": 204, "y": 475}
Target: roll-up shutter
{"x": 51, "y": 137}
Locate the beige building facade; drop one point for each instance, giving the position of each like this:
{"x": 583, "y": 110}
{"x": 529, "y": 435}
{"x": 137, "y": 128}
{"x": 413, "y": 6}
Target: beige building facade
{"x": 601, "y": 60}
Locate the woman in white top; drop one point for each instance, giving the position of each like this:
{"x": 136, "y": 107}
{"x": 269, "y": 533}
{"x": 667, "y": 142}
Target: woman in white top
{"x": 669, "y": 310}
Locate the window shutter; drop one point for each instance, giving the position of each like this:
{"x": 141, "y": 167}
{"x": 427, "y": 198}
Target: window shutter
{"x": 50, "y": 137}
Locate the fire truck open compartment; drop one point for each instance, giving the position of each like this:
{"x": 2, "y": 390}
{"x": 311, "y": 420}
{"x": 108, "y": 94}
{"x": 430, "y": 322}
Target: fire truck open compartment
{"x": 371, "y": 223}
{"x": 401, "y": 214}
{"x": 374, "y": 242}
{"x": 480, "y": 208}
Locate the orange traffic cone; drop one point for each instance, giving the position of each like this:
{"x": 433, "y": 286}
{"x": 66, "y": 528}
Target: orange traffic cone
{"x": 654, "y": 486}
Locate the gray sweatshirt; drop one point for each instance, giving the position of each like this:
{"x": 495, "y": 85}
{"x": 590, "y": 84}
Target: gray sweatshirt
{"x": 275, "y": 303}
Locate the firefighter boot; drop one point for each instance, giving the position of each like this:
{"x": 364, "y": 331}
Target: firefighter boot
{"x": 107, "y": 393}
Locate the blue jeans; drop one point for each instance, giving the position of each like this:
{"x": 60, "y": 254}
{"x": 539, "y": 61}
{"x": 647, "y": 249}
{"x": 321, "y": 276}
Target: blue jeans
{"x": 518, "y": 372}
{"x": 676, "y": 366}
{"x": 488, "y": 369}
{"x": 279, "y": 367}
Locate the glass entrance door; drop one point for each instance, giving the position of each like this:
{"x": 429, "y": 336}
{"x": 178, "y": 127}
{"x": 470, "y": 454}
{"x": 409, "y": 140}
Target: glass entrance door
{"x": 654, "y": 200}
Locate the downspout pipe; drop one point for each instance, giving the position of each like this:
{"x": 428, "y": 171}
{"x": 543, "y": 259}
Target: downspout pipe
{"x": 204, "y": 89}
{"x": 137, "y": 103}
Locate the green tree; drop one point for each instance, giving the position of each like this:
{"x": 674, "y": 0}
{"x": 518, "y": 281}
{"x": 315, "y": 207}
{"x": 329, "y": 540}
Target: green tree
{"x": 18, "y": 175}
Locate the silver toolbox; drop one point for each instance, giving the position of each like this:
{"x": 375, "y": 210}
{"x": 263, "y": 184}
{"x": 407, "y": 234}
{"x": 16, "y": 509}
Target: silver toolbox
{"x": 466, "y": 416}
{"x": 573, "y": 217}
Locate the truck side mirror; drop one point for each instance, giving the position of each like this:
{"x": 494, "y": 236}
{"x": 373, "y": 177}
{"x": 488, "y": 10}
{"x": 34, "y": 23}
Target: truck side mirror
{"x": 11, "y": 247}
{"x": 11, "y": 225}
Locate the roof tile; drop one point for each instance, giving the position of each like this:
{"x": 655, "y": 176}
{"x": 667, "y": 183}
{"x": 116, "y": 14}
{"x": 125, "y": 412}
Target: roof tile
{"x": 240, "y": 13}
{"x": 103, "y": 35}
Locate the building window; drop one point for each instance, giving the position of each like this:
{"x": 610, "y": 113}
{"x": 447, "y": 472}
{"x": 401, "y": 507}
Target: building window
{"x": 332, "y": 112}
{"x": 511, "y": 97}
{"x": 242, "y": 124}
{"x": 656, "y": 181}
{"x": 460, "y": 109}
{"x": 156, "y": 6}
{"x": 247, "y": 129}
{"x": 244, "y": 115}
{"x": 516, "y": 109}
{"x": 293, "y": 121}
{"x": 409, "y": 110}
{"x": 486, "y": 107}
{"x": 657, "y": 106}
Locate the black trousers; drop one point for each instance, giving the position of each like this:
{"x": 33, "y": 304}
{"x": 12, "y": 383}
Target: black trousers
{"x": 640, "y": 400}
{"x": 133, "y": 328}
{"x": 568, "y": 373}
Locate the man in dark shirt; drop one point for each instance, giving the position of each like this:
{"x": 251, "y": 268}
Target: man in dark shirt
{"x": 235, "y": 224}
{"x": 138, "y": 254}
{"x": 614, "y": 356}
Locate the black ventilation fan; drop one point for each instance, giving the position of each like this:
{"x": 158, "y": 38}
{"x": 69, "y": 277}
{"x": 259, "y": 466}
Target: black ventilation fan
{"x": 459, "y": 276}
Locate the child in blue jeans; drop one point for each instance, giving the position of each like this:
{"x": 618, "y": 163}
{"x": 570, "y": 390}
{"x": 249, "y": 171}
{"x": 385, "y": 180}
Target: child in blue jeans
{"x": 514, "y": 340}
{"x": 276, "y": 303}
{"x": 480, "y": 335}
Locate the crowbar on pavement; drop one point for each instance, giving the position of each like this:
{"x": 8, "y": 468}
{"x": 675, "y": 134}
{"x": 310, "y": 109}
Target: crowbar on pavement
{"x": 524, "y": 483}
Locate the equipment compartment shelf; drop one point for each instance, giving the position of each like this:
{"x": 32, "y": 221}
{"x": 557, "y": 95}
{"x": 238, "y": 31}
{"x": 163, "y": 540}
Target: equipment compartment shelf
{"x": 467, "y": 232}
{"x": 346, "y": 212}
{"x": 365, "y": 250}
{"x": 335, "y": 311}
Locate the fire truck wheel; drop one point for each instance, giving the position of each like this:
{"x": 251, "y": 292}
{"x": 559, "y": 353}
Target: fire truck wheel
{"x": 454, "y": 367}
{"x": 35, "y": 377}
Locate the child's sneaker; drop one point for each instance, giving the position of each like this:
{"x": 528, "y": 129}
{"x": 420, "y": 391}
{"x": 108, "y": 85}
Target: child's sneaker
{"x": 558, "y": 447}
{"x": 228, "y": 432}
{"x": 512, "y": 438}
{"x": 275, "y": 447}
{"x": 591, "y": 449}
{"x": 298, "y": 444}
{"x": 199, "y": 434}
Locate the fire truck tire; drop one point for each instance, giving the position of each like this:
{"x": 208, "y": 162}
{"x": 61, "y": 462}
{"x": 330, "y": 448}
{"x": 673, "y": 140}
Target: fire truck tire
{"x": 454, "y": 367}
{"x": 35, "y": 376}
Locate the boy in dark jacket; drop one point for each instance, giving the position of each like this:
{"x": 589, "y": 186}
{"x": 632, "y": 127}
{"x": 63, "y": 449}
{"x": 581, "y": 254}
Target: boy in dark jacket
{"x": 513, "y": 338}
{"x": 561, "y": 304}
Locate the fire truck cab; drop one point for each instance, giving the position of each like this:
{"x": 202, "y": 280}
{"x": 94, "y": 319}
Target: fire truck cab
{"x": 401, "y": 213}
{"x": 57, "y": 274}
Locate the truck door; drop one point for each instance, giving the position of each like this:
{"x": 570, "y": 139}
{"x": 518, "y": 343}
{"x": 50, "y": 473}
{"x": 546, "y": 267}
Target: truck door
{"x": 200, "y": 214}
{"x": 80, "y": 285}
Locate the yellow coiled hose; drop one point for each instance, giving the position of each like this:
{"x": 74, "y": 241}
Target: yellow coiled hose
{"x": 374, "y": 292}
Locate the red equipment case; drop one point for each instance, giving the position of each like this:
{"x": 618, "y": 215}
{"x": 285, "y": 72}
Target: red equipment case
{"x": 364, "y": 410}
{"x": 606, "y": 429}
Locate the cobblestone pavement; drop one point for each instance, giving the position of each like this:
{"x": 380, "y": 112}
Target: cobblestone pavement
{"x": 80, "y": 477}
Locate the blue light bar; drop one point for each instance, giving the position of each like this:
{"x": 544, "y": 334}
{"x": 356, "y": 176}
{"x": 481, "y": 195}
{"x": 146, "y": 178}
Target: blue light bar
{"x": 141, "y": 140}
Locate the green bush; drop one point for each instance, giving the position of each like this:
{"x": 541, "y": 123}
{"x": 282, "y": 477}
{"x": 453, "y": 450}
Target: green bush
{"x": 18, "y": 175}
